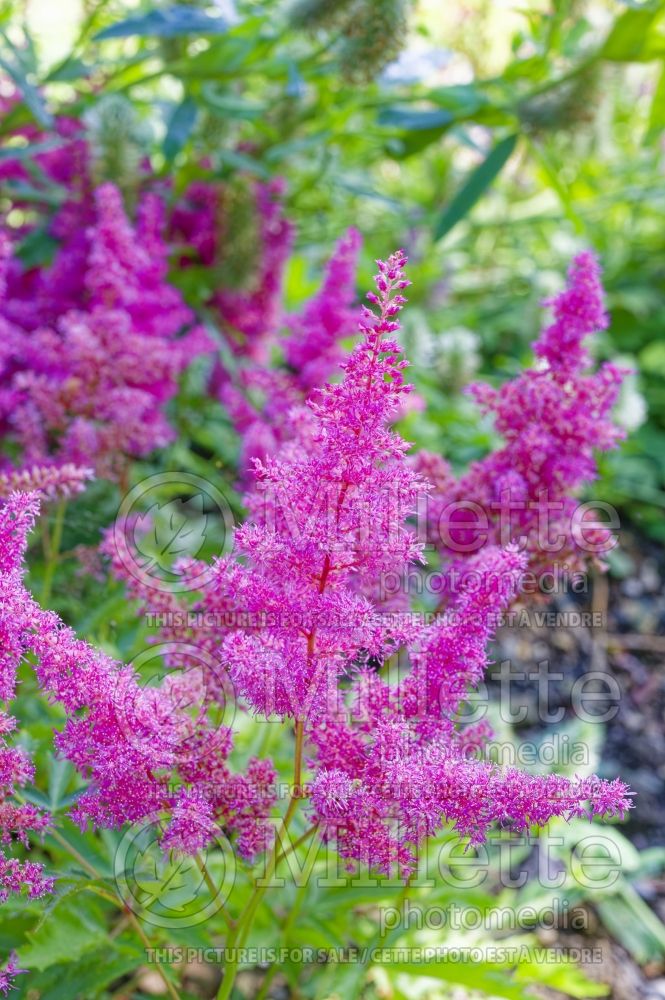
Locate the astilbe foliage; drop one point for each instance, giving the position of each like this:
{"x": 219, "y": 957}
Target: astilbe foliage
{"x": 329, "y": 516}
{"x": 552, "y": 418}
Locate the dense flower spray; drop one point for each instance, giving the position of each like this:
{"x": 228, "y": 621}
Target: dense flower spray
{"x": 17, "y": 618}
{"x": 97, "y": 351}
{"x": 552, "y": 418}
{"x": 329, "y": 517}
{"x": 142, "y": 751}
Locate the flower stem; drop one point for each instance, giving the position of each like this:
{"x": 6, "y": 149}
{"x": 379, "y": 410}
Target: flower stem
{"x": 237, "y": 938}
{"x": 55, "y": 542}
{"x": 286, "y": 930}
{"x": 212, "y": 888}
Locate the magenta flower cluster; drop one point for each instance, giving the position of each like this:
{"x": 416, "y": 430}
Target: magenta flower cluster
{"x": 93, "y": 341}
{"x": 330, "y": 511}
{"x": 94, "y": 346}
{"x": 553, "y": 418}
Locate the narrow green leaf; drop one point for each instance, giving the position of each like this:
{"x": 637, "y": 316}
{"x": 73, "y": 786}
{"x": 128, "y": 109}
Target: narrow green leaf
{"x": 657, "y": 115}
{"x": 415, "y": 119}
{"x": 628, "y": 39}
{"x": 25, "y": 152}
{"x": 476, "y": 185}
{"x": 172, "y": 22}
{"x": 31, "y": 96}
{"x": 181, "y": 124}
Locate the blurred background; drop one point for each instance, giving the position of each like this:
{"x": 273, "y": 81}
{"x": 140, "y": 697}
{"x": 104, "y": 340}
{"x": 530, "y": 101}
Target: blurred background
{"x": 492, "y": 140}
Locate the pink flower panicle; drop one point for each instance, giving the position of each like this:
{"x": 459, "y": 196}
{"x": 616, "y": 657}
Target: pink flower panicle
{"x": 553, "y": 418}
{"x": 313, "y": 348}
{"x": 17, "y": 819}
{"x": 263, "y": 404}
{"x": 52, "y": 481}
{"x": 308, "y": 634}
{"x": 324, "y": 521}
{"x": 94, "y": 368}
{"x": 9, "y": 974}
{"x": 133, "y": 743}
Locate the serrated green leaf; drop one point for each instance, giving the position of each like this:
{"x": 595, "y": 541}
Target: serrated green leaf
{"x": 72, "y": 927}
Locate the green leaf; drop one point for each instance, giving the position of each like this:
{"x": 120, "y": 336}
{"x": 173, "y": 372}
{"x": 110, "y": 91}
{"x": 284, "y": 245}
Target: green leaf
{"x": 28, "y": 192}
{"x": 30, "y": 94}
{"x": 72, "y": 927}
{"x": 172, "y": 531}
{"x": 476, "y": 185}
{"x": 477, "y": 975}
{"x": 414, "y": 119}
{"x": 633, "y": 923}
{"x": 657, "y": 116}
{"x": 180, "y": 127}
{"x": 26, "y": 152}
{"x": 70, "y": 69}
{"x": 629, "y": 40}
{"x": 231, "y": 105}
{"x": 60, "y": 773}
{"x": 90, "y": 975}
{"x": 172, "y": 22}
{"x": 37, "y": 248}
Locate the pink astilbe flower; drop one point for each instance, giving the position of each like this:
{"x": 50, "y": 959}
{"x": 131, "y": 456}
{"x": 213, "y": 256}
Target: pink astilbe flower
{"x": 313, "y": 348}
{"x": 17, "y": 819}
{"x": 553, "y": 418}
{"x": 326, "y": 520}
{"x": 9, "y": 974}
{"x": 132, "y": 742}
{"x": 89, "y": 388}
{"x": 52, "y": 481}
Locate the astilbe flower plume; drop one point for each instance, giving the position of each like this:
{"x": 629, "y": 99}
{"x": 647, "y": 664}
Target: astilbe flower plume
{"x": 552, "y": 418}
{"x": 87, "y": 375}
{"x": 144, "y": 753}
{"x": 328, "y": 519}
{"x": 17, "y": 818}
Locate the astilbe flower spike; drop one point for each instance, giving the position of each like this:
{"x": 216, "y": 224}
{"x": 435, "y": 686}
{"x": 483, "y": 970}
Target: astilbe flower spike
{"x": 144, "y": 755}
{"x": 263, "y": 404}
{"x": 552, "y": 418}
{"x": 52, "y": 481}
{"x": 17, "y": 818}
{"x": 87, "y": 376}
